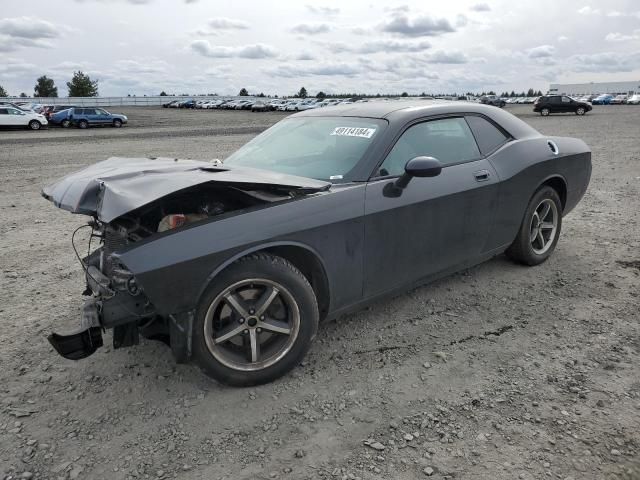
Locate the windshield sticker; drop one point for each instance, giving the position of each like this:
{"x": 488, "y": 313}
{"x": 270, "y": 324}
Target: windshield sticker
{"x": 335, "y": 177}
{"x": 354, "y": 132}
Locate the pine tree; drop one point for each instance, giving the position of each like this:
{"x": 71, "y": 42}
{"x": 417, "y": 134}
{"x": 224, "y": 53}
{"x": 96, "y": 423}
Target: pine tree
{"x": 81, "y": 85}
{"x": 45, "y": 87}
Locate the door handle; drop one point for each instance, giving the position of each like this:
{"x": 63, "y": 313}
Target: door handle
{"x": 482, "y": 175}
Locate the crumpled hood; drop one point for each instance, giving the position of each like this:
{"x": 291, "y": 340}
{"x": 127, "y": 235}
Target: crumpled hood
{"x": 113, "y": 187}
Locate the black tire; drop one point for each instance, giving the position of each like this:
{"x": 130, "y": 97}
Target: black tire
{"x": 580, "y": 111}
{"x": 65, "y": 123}
{"x": 256, "y": 267}
{"x": 83, "y": 124}
{"x": 35, "y": 125}
{"x": 117, "y": 123}
{"x": 522, "y": 249}
{"x": 545, "y": 112}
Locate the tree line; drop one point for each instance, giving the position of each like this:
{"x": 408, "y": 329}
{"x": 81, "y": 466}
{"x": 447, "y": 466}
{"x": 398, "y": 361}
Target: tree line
{"x": 80, "y": 85}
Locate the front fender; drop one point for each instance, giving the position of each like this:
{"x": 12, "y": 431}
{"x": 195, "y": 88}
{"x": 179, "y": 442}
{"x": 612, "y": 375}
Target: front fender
{"x": 174, "y": 269}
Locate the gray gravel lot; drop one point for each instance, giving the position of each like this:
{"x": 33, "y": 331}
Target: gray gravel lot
{"x": 498, "y": 372}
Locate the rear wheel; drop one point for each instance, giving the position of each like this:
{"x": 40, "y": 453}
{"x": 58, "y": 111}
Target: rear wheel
{"x": 580, "y": 111}
{"x": 255, "y": 322}
{"x": 83, "y": 124}
{"x": 545, "y": 112}
{"x": 117, "y": 123}
{"x": 35, "y": 125}
{"x": 540, "y": 229}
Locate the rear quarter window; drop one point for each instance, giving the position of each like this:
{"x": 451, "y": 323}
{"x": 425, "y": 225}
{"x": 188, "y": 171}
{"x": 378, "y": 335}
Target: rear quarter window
{"x": 488, "y": 136}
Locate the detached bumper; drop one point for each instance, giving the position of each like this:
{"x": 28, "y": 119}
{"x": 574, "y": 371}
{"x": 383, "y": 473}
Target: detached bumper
{"x": 78, "y": 345}
{"x": 106, "y": 308}
{"x": 84, "y": 341}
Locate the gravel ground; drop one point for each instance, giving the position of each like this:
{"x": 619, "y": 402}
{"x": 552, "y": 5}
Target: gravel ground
{"x": 498, "y": 372}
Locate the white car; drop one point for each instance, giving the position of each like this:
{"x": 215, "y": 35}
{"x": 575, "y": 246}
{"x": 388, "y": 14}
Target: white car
{"x": 634, "y": 99}
{"x": 14, "y": 117}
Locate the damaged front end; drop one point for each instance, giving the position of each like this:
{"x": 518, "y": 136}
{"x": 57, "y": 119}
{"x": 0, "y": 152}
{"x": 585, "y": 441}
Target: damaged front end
{"x": 133, "y": 201}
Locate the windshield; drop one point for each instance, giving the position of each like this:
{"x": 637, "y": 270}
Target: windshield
{"x": 324, "y": 148}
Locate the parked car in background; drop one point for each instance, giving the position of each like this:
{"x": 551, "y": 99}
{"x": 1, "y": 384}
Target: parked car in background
{"x": 12, "y": 117}
{"x": 191, "y": 103}
{"x": 620, "y": 100}
{"x": 634, "y": 99}
{"x": 260, "y": 106}
{"x": 547, "y": 104}
{"x": 492, "y": 100}
{"x": 53, "y": 109}
{"x": 85, "y": 117}
{"x": 604, "y": 99}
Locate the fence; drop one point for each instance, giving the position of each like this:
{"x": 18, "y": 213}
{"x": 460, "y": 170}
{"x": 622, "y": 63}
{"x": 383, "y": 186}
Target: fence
{"x": 110, "y": 101}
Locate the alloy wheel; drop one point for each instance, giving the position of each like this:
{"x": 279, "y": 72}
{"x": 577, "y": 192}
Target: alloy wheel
{"x": 544, "y": 226}
{"x": 252, "y": 324}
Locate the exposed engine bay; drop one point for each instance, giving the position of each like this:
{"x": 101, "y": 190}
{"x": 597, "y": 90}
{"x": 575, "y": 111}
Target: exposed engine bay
{"x": 187, "y": 206}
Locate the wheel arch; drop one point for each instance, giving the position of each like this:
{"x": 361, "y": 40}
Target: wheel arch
{"x": 559, "y": 184}
{"x": 302, "y": 256}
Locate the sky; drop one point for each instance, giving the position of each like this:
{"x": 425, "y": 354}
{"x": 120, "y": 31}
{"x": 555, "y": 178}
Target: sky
{"x": 142, "y": 47}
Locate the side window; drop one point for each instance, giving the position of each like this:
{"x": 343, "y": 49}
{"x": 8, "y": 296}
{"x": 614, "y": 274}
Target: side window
{"x": 4, "y": 111}
{"x": 554, "y": 100}
{"x": 488, "y": 136}
{"x": 449, "y": 140}
{"x": 566, "y": 100}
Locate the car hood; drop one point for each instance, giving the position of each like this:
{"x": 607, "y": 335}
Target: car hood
{"x": 116, "y": 186}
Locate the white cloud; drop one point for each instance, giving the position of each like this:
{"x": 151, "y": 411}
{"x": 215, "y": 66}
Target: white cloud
{"x": 322, "y": 69}
{"x": 223, "y": 23}
{"x": 256, "y": 51}
{"x": 587, "y": 10}
{"x": 620, "y": 37}
{"x": 402, "y": 24}
{"x": 323, "y": 10}
{"x": 311, "y": 28}
{"x": 541, "y": 52}
{"x": 388, "y": 46}
{"x": 446, "y": 57}
{"x": 606, "y": 62}
{"x": 481, "y": 7}
{"x": 29, "y": 27}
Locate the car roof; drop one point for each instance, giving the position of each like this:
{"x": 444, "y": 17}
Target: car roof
{"x": 403, "y": 111}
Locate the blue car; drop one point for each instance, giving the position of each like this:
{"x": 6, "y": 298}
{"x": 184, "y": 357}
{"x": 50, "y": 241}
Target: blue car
{"x": 84, "y": 117}
{"x": 603, "y": 99}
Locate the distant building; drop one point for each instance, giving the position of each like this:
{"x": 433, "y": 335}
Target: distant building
{"x": 595, "y": 87}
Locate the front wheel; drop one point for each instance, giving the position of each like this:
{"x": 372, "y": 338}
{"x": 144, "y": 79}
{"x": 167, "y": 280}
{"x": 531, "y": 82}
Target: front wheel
{"x": 117, "y": 123}
{"x": 545, "y": 112}
{"x": 580, "y": 111}
{"x": 65, "y": 123}
{"x": 255, "y": 322}
{"x": 35, "y": 125}
{"x": 540, "y": 229}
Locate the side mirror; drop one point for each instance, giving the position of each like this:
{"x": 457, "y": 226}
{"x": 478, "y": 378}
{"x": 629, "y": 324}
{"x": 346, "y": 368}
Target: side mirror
{"x": 416, "y": 167}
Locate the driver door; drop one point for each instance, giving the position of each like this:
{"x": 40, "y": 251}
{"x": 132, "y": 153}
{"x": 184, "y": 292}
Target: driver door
{"x": 437, "y": 223}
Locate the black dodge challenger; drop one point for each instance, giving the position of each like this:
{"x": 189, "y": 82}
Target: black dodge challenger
{"x": 234, "y": 263}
